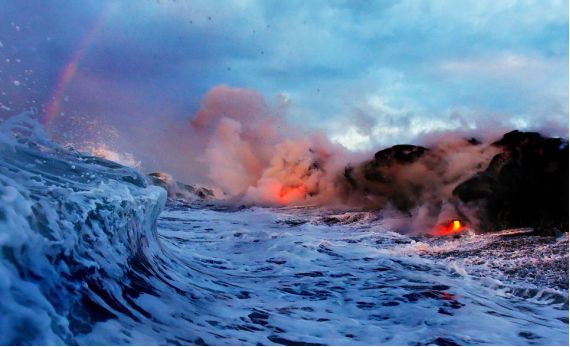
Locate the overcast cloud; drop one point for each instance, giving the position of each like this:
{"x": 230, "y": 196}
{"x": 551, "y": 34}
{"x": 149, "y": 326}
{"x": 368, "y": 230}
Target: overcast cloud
{"x": 369, "y": 73}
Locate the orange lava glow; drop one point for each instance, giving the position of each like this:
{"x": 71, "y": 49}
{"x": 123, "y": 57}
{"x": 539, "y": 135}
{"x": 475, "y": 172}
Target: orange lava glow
{"x": 452, "y": 228}
{"x": 447, "y": 296}
{"x": 455, "y": 225}
{"x": 289, "y": 194}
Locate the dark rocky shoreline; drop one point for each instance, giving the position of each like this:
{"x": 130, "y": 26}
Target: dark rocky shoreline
{"x": 524, "y": 185}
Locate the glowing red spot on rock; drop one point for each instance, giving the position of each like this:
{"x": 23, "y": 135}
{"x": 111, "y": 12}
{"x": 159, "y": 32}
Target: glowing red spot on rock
{"x": 453, "y": 227}
{"x": 447, "y": 296}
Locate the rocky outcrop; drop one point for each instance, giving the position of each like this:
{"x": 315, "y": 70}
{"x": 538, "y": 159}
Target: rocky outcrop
{"x": 398, "y": 154}
{"x": 381, "y": 180}
{"x": 525, "y": 185}
{"x": 179, "y": 190}
{"x": 520, "y": 180}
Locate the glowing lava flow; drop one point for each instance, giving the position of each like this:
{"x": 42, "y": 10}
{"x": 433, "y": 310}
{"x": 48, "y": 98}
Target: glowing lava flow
{"x": 454, "y": 227}
{"x": 289, "y": 194}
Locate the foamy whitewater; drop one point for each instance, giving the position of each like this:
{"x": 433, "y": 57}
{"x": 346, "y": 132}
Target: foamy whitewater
{"x": 93, "y": 254}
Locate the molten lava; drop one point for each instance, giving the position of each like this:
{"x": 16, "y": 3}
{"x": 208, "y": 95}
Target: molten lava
{"x": 452, "y": 228}
{"x": 456, "y": 225}
{"x": 288, "y": 194}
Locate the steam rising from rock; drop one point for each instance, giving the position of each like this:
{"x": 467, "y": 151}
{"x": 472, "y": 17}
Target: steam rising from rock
{"x": 251, "y": 152}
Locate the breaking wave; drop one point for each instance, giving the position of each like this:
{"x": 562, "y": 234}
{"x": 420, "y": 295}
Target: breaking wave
{"x": 77, "y": 234}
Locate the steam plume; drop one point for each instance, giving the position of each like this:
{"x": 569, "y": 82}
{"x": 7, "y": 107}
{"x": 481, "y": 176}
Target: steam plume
{"x": 250, "y": 151}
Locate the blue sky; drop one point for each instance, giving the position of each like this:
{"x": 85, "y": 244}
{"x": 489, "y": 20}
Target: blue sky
{"x": 368, "y": 73}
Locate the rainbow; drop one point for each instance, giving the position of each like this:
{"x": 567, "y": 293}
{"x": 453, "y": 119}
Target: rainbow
{"x": 68, "y": 73}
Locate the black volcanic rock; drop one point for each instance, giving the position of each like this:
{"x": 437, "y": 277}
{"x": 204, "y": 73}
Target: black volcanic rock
{"x": 179, "y": 190}
{"x": 526, "y": 185}
{"x": 523, "y": 182}
{"x": 398, "y": 154}
{"x": 379, "y": 180}
{"x": 473, "y": 141}
{"x": 378, "y": 169}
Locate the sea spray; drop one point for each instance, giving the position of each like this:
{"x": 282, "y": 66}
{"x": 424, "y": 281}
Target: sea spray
{"x": 70, "y": 225}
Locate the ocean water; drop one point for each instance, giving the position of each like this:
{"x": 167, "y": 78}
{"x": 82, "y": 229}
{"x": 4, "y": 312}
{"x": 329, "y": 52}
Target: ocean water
{"x": 92, "y": 254}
